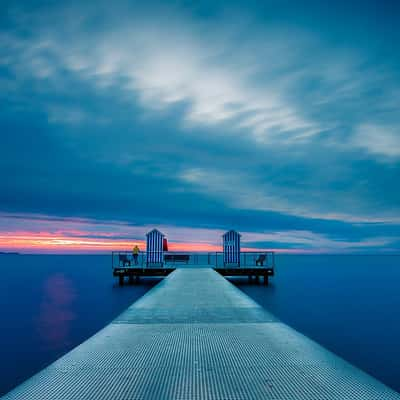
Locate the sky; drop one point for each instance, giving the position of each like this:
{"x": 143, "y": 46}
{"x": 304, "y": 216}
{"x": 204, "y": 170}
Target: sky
{"x": 278, "y": 119}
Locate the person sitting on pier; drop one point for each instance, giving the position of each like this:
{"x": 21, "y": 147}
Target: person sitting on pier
{"x": 135, "y": 253}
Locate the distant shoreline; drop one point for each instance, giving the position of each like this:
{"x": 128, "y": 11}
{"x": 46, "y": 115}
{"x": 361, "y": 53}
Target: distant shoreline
{"x": 10, "y": 253}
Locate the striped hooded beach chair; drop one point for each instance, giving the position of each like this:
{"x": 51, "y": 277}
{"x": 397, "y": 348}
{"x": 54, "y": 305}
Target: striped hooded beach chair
{"x": 231, "y": 246}
{"x": 155, "y": 251}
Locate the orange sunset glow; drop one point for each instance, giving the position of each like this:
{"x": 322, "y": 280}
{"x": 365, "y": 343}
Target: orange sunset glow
{"x": 49, "y": 243}
{"x": 41, "y": 243}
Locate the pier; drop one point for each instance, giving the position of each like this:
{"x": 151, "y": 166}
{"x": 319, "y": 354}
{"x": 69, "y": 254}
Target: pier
{"x": 196, "y": 336}
{"x": 257, "y": 266}
{"x": 158, "y": 261}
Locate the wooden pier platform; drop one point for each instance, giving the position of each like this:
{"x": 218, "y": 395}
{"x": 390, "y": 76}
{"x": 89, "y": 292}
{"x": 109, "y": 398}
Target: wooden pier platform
{"x": 196, "y": 336}
{"x": 251, "y": 272}
{"x": 135, "y": 273}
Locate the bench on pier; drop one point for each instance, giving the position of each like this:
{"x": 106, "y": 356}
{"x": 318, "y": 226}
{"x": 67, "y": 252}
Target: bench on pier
{"x": 261, "y": 259}
{"x": 124, "y": 260}
{"x": 177, "y": 258}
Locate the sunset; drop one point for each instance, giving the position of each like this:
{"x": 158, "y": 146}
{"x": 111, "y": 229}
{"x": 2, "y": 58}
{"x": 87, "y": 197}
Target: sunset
{"x": 199, "y": 200}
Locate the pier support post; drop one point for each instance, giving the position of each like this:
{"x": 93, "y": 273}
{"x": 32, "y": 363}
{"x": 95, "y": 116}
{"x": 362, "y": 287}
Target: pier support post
{"x": 266, "y": 280}
{"x": 131, "y": 280}
{"x": 121, "y": 280}
{"x": 258, "y": 279}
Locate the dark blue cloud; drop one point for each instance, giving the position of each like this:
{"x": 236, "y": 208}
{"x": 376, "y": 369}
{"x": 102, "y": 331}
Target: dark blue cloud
{"x": 285, "y": 122}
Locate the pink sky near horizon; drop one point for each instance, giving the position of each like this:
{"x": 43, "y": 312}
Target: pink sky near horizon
{"x": 45, "y": 234}
{"x": 48, "y": 243}
{"x": 55, "y": 235}
{"x": 57, "y": 243}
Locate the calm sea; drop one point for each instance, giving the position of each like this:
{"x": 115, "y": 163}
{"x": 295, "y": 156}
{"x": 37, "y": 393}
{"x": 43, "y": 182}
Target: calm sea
{"x": 349, "y": 304}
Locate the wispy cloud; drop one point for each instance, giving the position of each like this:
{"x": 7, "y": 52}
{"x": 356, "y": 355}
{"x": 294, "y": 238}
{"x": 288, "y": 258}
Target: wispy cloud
{"x": 244, "y": 87}
{"x": 242, "y": 191}
{"x": 165, "y": 63}
{"x": 313, "y": 241}
{"x": 379, "y": 140}
{"x": 67, "y": 115}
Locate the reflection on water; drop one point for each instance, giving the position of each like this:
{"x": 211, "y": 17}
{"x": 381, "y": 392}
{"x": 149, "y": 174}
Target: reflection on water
{"x": 50, "y": 304}
{"x": 55, "y": 311}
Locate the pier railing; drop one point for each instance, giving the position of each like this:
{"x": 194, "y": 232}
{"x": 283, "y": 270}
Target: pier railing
{"x": 125, "y": 259}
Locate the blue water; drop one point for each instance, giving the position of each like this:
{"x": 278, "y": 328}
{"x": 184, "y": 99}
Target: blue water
{"x": 349, "y": 304}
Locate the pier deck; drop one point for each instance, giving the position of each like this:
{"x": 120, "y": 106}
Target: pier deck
{"x": 135, "y": 273}
{"x": 196, "y": 336}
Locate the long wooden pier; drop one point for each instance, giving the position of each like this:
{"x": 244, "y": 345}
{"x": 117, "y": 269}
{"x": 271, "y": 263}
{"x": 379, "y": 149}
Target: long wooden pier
{"x": 196, "y": 336}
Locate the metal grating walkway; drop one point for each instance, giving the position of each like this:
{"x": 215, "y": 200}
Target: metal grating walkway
{"x": 196, "y": 336}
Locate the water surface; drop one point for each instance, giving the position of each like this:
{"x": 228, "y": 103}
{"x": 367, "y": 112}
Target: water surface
{"x": 49, "y": 304}
{"x": 349, "y": 304}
